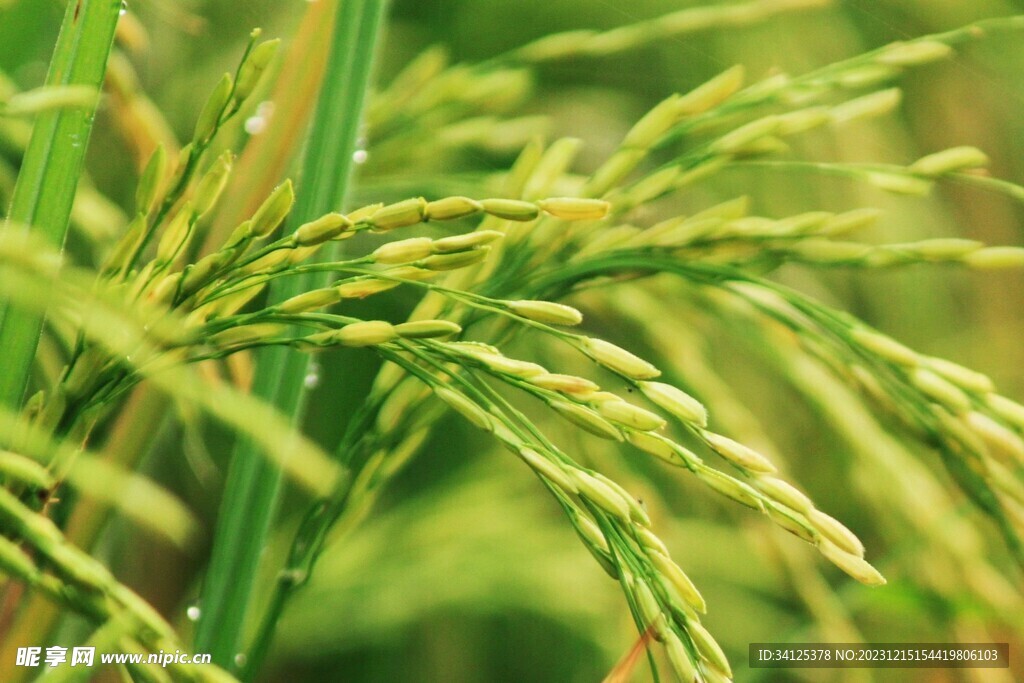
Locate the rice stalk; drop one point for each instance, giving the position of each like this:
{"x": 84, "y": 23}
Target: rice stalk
{"x": 252, "y": 486}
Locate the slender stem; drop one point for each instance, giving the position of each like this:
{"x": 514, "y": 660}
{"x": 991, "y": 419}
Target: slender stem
{"x": 253, "y": 483}
{"x": 51, "y": 167}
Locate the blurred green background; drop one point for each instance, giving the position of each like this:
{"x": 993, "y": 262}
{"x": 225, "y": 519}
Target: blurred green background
{"x": 466, "y": 572}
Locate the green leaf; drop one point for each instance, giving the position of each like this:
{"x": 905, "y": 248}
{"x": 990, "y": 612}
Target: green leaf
{"x": 51, "y": 168}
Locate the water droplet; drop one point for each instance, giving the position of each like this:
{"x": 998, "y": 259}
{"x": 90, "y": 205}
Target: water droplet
{"x": 124, "y": 8}
{"x": 360, "y": 156}
{"x": 241, "y": 659}
{"x": 257, "y": 123}
{"x": 193, "y": 613}
{"x": 254, "y": 125}
{"x": 312, "y": 378}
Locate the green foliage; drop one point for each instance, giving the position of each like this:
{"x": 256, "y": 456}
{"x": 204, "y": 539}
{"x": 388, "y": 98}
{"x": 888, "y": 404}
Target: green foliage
{"x": 612, "y": 314}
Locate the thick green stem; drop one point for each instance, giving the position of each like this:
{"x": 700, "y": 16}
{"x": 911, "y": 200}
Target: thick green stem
{"x": 50, "y": 170}
{"x": 253, "y": 483}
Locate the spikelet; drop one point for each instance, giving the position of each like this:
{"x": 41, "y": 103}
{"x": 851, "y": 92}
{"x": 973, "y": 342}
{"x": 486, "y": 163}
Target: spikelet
{"x": 676, "y": 402}
{"x": 738, "y": 454}
{"x": 551, "y": 471}
{"x": 587, "y": 419}
{"x": 546, "y": 312}
{"x": 602, "y": 495}
{"x": 627, "y": 414}
{"x": 465, "y": 407}
{"x": 209, "y": 117}
{"x": 852, "y": 564}
{"x": 427, "y": 329}
{"x": 273, "y": 210}
{"x": 618, "y": 359}
{"x": 365, "y": 333}
{"x": 566, "y": 384}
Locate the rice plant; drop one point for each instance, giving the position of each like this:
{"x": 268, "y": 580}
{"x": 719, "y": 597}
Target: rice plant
{"x": 302, "y": 365}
